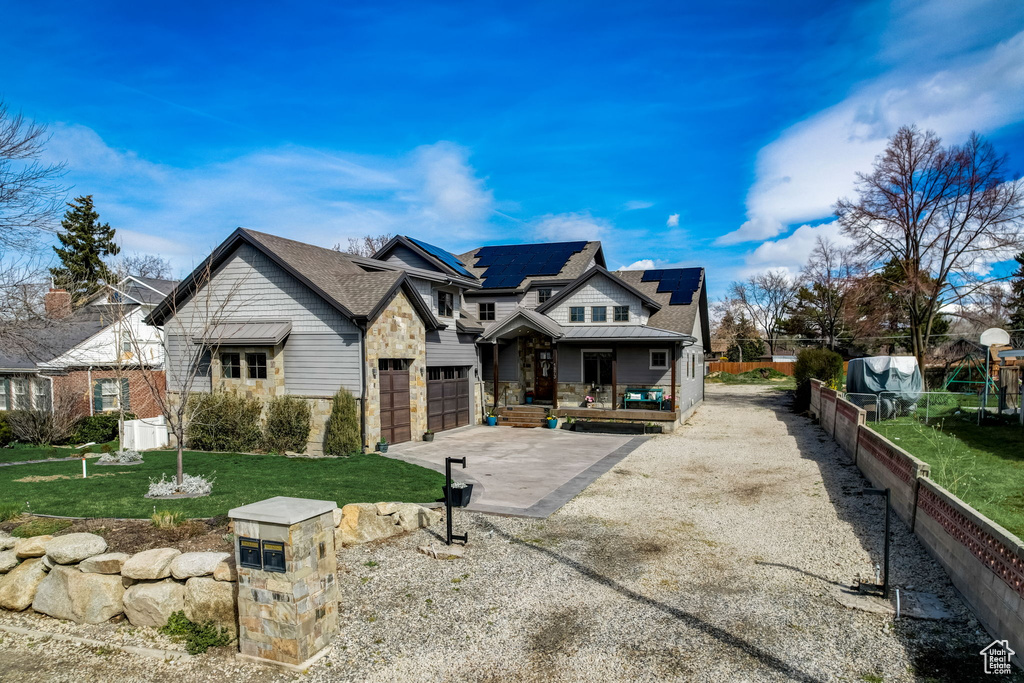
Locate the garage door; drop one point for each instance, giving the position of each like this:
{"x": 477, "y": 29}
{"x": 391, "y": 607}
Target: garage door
{"x": 395, "y": 421}
{"x": 447, "y": 398}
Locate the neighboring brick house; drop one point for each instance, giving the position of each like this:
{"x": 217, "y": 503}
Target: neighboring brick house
{"x": 86, "y": 360}
{"x": 414, "y": 331}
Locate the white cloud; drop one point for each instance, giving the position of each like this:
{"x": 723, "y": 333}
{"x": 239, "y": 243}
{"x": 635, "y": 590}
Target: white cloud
{"x": 563, "y": 227}
{"x": 673, "y": 220}
{"x": 642, "y": 264}
{"x": 637, "y": 204}
{"x": 790, "y": 253}
{"x": 813, "y": 163}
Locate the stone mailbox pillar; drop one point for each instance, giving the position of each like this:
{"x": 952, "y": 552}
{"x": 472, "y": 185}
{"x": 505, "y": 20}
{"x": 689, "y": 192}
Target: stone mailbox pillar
{"x": 287, "y": 592}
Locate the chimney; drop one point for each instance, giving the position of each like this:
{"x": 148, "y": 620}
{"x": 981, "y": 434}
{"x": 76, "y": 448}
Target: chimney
{"x": 57, "y": 303}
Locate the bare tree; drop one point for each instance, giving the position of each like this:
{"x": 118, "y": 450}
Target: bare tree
{"x": 829, "y": 284}
{"x": 938, "y": 214}
{"x": 190, "y": 339}
{"x": 368, "y": 245}
{"x": 767, "y": 298}
{"x": 144, "y": 265}
{"x": 30, "y": 196}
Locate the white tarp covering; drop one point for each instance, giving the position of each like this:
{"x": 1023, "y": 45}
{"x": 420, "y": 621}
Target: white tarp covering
{"x": 896, "y": 374}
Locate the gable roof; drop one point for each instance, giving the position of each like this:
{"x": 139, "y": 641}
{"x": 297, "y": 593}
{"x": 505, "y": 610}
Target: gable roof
{"x": 43, "y": 340}
{"x": 587, "y": 277}
{"x": 443, "y": 260}
{"x": 142, "y": 290}
{"x": 678, "y": 317}
{"x": 332, "y": 275}
{"x": 516, "y": 267}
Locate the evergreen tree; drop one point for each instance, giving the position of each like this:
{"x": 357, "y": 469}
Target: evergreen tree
{"x": 747, "y": 345}
{"x": 84, "y": 242}
{"x": 1016, "y": 303}
{"x": 341, "y": 434}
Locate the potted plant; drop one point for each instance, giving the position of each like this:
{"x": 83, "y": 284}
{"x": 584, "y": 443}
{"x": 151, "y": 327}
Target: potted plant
{"x": 492, "y": 419}
{"x": 552, "y": 421}
{"x": 428, "y": 435}
{"x": 588, "y": 400}
{"x": 382, "y": 445}
{"x": 459, "y": 494}
{"x": 529, "y": 396}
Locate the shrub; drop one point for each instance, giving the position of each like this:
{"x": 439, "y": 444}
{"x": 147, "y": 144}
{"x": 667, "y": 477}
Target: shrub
{"x": 122, "y": 457}
{"x": 341, "y": 435}
{"x": 815, "y": 364}
{"x": 198, "y": 637}
{"x": 99, "y": 428}
{"x": 190, "y": 483}
{"x": 287, "y": 427}
{"x": 6, "y": 435}
{"x": 44, "y": 526}
{"x": 167, "y": 519}
{"x": 223, "y": 421}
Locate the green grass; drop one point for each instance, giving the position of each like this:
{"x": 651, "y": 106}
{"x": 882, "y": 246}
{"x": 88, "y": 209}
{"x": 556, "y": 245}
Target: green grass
{"x": 774, "y": 378}
{"x": 240, "y": 479}
{"x": 983, "y": 466}
{"x": 19, "y": 452}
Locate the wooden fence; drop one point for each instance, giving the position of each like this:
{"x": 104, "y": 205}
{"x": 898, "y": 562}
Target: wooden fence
{"x": 737, "y": 368}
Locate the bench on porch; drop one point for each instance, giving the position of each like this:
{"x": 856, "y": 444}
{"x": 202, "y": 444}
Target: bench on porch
{"x": 638, "y": 396}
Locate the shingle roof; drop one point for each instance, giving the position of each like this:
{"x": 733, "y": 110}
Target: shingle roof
{"x": 575, "y": 266}
{"x": 43, "y": 340}
{"x": 675, "y": 317}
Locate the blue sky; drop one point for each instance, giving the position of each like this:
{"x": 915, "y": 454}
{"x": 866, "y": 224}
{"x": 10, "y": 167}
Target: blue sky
{"x": 680, "y": 134}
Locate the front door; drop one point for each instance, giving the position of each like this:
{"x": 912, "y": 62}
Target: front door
{"x": 395, "y": 418}
{"x": 543, "y": 375}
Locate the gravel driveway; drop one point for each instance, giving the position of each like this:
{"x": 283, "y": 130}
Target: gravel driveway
{"x": 710, "y": 555}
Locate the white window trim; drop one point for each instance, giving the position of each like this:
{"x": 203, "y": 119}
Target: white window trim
{"x": 116, "y": 384}
{"x": 650, "y": 358}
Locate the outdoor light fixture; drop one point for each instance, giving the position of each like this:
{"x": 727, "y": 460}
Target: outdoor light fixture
{"x": 375, "y": 373}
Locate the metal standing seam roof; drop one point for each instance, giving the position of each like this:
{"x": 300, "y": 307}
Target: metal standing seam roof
{"x": 255, "y": 333}
{"x": 619, "y": 333}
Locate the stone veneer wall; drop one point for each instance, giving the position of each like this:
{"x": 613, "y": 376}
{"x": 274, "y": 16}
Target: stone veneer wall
{"x": 397, "y": 332}
{"x": 264, "y": 389}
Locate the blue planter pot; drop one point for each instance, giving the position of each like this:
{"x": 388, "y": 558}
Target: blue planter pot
{"x": 492, "y": 421}
{"x": 553, "y": 424}
{"x": 529, "y": 399}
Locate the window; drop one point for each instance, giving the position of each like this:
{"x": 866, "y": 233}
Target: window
{"x": 41, "y": 395}
{"x": 19, "y": 394}
{"x": 126, "y": 342}
{"x": 4, "y": 392}
{"x": 108, "y": 395}
{"x": 622, "y": 314}
{"x": 543, "y": 295}
{"x": 256, "y": 364}
{"x": 393, "y": 363}
{"x": 486, "y": 311}
{"x": 659, "y": 360}
{"x": 230, "y": 365}
{"x": 577, "y": 314}
{"x": 597, "y": 367}
{"x": 599, "y": 314}
{"x": 451, "y": 372}
{"x": 445, "y": 304}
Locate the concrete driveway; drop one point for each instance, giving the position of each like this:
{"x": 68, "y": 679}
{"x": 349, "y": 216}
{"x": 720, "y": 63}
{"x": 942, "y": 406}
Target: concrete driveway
{"x": 523, "y": 472}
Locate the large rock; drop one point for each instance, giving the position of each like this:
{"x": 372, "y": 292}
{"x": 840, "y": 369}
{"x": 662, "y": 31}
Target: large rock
{"x": 196, "y": 564}
{"x": 226, "y": 570}
{"x": 18, "y": 587}
{"x": 73, "y": 548}
{"x": 150, "y": 604}
{"x": 410, "y": 516}
{"x": 7, "y": 541}
{"x": 8, "y": 561}
{"x": 388, "y": 508}
{"x": 360, "y": 523}
{"x": 67, "y": 593}
{"x": 207, "y": 599}
{"x": 108, "y": 563}
{"x": 150, "y": 564}
{"x": 337, "y": 517}
{"x": 31, "y": 547}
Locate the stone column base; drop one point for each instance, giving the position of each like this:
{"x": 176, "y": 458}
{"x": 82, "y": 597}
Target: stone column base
{"x": 298, "y": 668}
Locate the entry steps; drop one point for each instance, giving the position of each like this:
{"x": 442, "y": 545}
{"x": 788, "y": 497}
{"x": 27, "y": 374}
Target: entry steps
{"x": 522, "y": 416}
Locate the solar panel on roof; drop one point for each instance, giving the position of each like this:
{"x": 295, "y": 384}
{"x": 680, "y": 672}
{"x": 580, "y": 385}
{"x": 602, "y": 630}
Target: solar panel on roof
{"x": 509, "y": 265}
{"x": 443, "y": 256}
{"x": 682, "y": 283}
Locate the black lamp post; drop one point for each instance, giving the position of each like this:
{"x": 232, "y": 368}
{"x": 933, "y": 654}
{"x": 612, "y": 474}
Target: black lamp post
{"x": 448, "y": 498}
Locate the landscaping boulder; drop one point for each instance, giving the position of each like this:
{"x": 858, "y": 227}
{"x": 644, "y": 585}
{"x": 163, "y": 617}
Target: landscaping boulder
{"x": 18, "y": 587}
{"x": 150, "y": 564}
{"x": 207, "y": 599}
{"x": 337, "y": 517}
{"x": 31, "y": 547}
{"x": 73, "y": 548}
{"x": 67, "y": 593}
{"x": 388, "y": 508}
{"x": 196, "y": 564}
{"x": 8, "y": 561}
{"x": 7, "y": 541}
{"x": 360, "y": 523}
{"x": 410, "y": 516}
{"x": 226, "y": 570}
{"x": 150, "y": 604}
{"x": 108, "y": 563}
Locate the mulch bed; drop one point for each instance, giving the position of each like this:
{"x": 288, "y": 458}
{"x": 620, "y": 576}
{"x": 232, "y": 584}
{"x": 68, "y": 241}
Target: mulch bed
{"x": 134, "y": 535}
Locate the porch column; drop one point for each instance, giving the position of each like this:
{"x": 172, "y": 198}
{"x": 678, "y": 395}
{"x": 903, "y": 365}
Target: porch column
{"x": 673, "y": 402}
{"x": 554, "y": 373}
{"x": 615, "y": 376}
{"x": 495, "y": 364}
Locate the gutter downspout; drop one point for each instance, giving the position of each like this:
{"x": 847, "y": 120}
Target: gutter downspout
{"x": 90, "y": 390}
{"x": 362, "y": 382}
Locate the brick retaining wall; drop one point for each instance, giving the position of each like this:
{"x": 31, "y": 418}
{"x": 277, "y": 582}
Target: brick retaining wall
{"x": 887, "y": 466}
{"x": 848, "y": 420}
{"x": 827, "y": 416}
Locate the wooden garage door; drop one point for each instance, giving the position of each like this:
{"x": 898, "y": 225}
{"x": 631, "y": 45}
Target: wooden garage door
{"x": 395, "y": 420}
{"x": 447, "y": 398}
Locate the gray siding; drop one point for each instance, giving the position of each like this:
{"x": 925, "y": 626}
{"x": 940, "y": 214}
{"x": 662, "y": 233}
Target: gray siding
{"x": 320, "y": 364}
{"x": 503, "y": 307}
{"x": 600, "y": 291}
{"x": 530, "y": 300}
{"x": 635, "y": 366}
{"x": 407, "y": 257}
{"x": 508, "y": 362}
{"x": 181, "y": 357}
{"x": 690, "y": 379}
{"x": 448, "y": 347}
{"x": 570, "y": 363}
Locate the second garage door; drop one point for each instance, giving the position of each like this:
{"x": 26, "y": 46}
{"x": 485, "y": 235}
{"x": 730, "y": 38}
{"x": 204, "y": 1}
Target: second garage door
{"x": 447, "y": 398}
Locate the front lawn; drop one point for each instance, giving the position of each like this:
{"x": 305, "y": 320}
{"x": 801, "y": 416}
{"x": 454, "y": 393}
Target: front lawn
{"x": 57, "y": 488}
{"x": 19, "y": 452}
{"x": 983, "y": 466}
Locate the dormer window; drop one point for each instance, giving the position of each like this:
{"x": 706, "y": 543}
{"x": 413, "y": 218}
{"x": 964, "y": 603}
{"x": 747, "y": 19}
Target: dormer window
{"x": 445, "y": 304}
{"x": 577, "y": 314}
{"x": 543, "y": 295}
{"x": 599, "y": 314}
